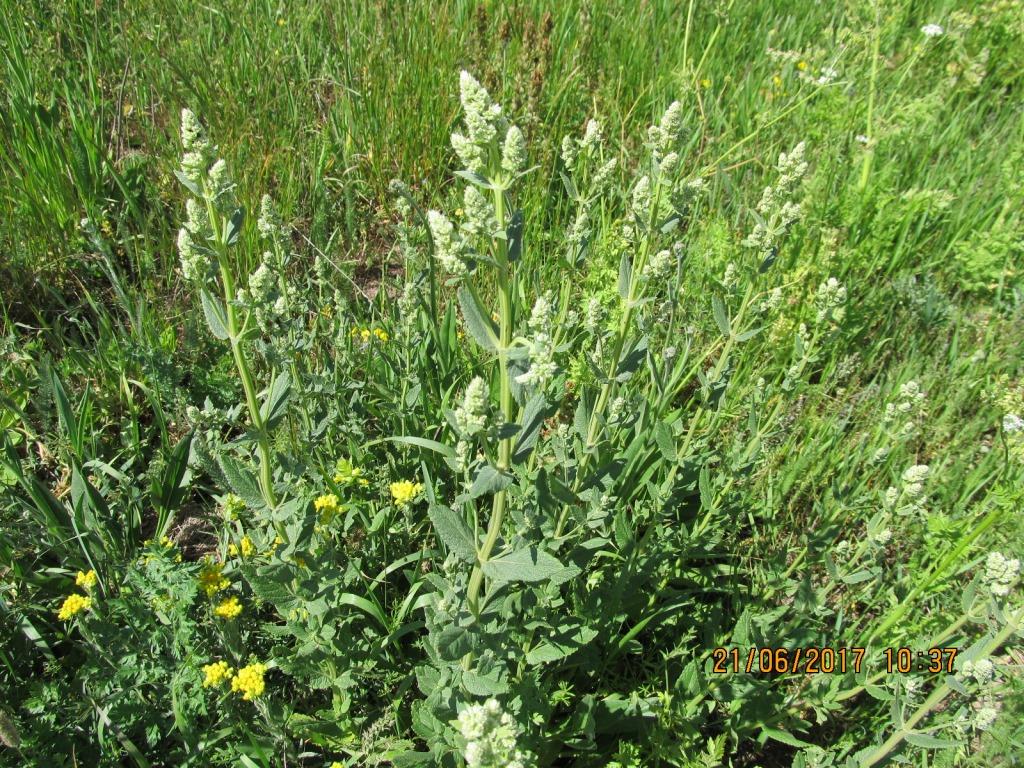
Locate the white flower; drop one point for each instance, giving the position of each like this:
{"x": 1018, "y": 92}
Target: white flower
{"x": 193, "y": 137}
{"x": 860, "y": 138}
{"x": 491, "y": 736}
{"x": 892, "y": 495}
{"x": 594, "y": 316}
{"x": 985, "y": 717}
{"x": 481, "y": 114}
{"x": 1012, "y": 423}
{"x": 982, "y": 670}
{"x": 569, "y": 152}
{"x": 269, "y": 221}
{"x": 479, "y": 212}
{"x": 828, "y": 75}
{"x": 542, "y": 364}
{"x": 447, "y": 249}
{"x": 471, "y": 155}
{"x": 916, "y": 474}
{"x": 580, "y": 229}
{"x": 471, "y": 416}
{"x": 660, "y": 266}
{"x": 513, "y": 152}
{"x": 592, "y": 136}
{"x": 912, "y": 686}
{"x": 932, "y": 30}
{"x": 221, "y": 184}
{"x": 604, "y": 175}
{"x": 831, "y": 300}
{"x": 193, "y": 166}
{"x": 197, "y": 220}
{"x": 669, "y": 163}
{"x": 670, "y": 126}
{"x": 1000, "y": 573}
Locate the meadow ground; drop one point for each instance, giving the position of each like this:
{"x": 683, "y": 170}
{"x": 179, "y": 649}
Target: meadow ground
{"x": 448, "y": 383}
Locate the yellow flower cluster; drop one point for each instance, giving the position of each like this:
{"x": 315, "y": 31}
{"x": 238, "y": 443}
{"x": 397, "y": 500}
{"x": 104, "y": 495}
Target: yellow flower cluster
{"x": 212, "y": 579}
{"x": 228, "y": 609}
{"x": 86, "y": 579}
{"x": 216, "y": 673}
{"x": 232, "y": 506}
{"x": 245, "y": 547}
{"x": 365, "y": 334}
{"x": 327, "y": 506}
{"x": 74, "y": 604}
{"x": 346, "y": 474}
{"x": 249, "y": 681}
{"x": 405, "y": 492}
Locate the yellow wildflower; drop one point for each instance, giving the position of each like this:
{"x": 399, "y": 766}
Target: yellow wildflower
{"x": 405, "y": 492}
{"x": 74, "y": 604}
{"x": 705, "y": 83}
{"x": 217, "y": 673}
{"x": 86, "y": 579}
{"x": 228, "y": 609}
{"x": 365, "y": 335}
{"x": 802, "y": 65}
{"x": 246, "y": 547}
{"x": 277, "y": 542}
{"x": 232, "y": 506}
{"x": 249, "y": 681}
{"x": 327, "y": 505}
{"x": 777, "y": 81}
{"x": 211, "y": 578}
{"x": 336, "y": 764}
{"x": 381, "y": 334}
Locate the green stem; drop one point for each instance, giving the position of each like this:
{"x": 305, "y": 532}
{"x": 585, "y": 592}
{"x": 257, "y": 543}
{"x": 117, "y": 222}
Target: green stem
{"x": 241, "y": 363}
{"x": 908, "y": 602}
{"x": 932, "y": 702}
{"x": 506, "y": 319}
{"x": 630, "y": 303}
{"x": 869, "y": 152}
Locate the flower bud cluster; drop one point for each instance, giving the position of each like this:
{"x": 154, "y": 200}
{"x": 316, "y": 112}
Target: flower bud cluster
{"x": 830, "y": 302}
{"x": 483, "y": 124}
{"x": 209, "y": 180}
{"x": 471, "y": 416}
{"x": 778, "y": 209}
{"x": 907, "y": 412}
{"x": 450, "y": 248}
{"x": 909, "y": 498}
{"x": 491, "y": 737}
{"x": 542, "y": 363}
{"x": 982, "y": 671}
{"x": 664, "y": 136}
{"x": 591, "y": 143}
{"x": 1000, "y": 573}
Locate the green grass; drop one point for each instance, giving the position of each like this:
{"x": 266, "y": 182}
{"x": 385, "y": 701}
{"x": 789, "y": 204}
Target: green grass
{"x": 729, "y": 500}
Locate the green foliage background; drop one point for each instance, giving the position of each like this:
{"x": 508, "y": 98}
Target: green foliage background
{"x": 738, "y": 511}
